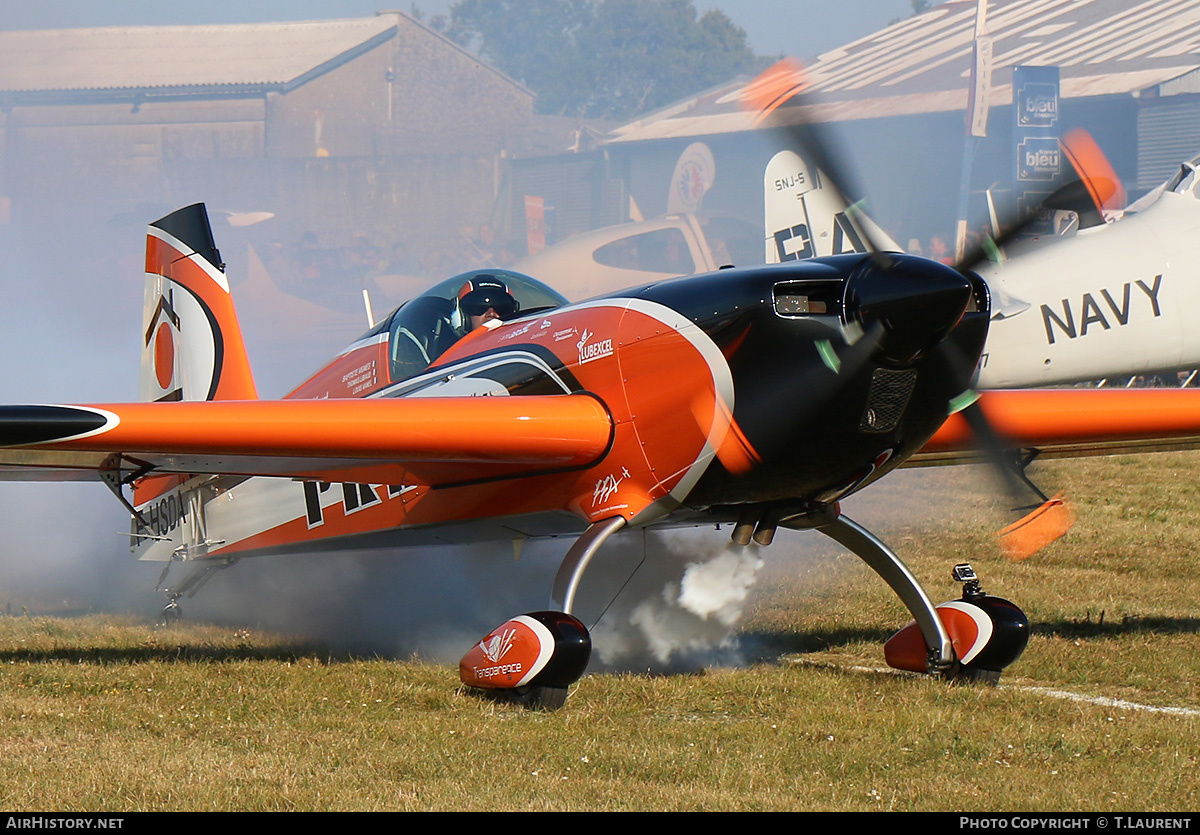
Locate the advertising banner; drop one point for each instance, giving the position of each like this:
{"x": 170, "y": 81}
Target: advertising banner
{"x": 1037, "y": 157}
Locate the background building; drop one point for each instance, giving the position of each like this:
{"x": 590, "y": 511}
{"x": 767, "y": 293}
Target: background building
{"x": 343, "y": 126}
{"x": 895, "y": 101}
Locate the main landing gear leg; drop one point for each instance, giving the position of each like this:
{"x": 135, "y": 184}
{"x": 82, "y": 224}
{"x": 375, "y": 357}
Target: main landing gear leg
{"x": 570, "y": 572}
{"x": 884, "y": 562}
{"x": 969, "y": 639}
{"x": 534, "y": 658}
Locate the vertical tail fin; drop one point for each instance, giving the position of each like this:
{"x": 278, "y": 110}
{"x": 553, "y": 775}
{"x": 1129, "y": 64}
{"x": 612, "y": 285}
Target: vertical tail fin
{"x": 192, "y": 342}
{"x": 805, "y": 219}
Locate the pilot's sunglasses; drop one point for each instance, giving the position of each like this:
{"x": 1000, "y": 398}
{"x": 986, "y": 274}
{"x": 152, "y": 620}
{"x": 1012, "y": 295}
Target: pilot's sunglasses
{"x": 503, "y": 305}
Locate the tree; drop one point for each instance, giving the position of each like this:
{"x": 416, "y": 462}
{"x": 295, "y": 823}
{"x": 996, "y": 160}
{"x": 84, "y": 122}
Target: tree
{"x": 603, "y": 58}
{"x": 918, "y": 6}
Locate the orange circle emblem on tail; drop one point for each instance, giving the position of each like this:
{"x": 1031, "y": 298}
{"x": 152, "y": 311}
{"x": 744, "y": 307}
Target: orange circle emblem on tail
{"x": 164, "y": 355}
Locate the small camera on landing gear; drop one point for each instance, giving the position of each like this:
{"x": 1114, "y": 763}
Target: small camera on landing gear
{"x": 963, "y": 573}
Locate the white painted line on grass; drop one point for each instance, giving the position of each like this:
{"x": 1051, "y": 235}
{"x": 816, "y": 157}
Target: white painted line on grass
{"x": 1102, "y": 701}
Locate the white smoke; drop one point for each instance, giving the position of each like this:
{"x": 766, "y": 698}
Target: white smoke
{"x": 685, "y": 616}
{"x": 719, "y": 587}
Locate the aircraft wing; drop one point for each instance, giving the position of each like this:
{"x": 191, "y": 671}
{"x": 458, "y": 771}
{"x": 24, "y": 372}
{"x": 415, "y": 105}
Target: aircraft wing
{"x": 454, "y": 439}
{"x": 439, "y": 439}
{"x": 1075, "y": 422}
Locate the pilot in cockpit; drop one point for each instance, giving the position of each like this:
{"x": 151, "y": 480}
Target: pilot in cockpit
{"x": 483, "y": 301}
{"x": 424, "y": 328}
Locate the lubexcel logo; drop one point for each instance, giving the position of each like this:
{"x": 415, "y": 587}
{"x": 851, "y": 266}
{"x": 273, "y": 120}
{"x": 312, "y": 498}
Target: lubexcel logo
{"x": 589, "y": 351}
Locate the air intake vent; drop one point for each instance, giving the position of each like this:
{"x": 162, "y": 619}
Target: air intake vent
{"x": 887, "y": 400}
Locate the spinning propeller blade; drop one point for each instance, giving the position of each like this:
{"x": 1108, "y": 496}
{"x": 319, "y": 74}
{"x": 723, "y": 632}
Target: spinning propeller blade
{"x": 900, "y": 291}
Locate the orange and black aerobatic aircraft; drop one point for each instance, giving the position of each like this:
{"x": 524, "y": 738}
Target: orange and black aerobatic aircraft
{"x": 490, "y": 409}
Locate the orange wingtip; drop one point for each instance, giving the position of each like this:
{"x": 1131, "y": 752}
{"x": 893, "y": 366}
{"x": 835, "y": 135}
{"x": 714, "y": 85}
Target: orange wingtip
{"x": 773, "y": 87}
{"x": 1026, "y": 537}
{"x": 1094, "y": 170}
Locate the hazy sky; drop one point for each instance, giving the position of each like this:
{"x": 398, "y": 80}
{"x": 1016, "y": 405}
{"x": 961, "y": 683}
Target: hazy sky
{"x": 802, "y": 28}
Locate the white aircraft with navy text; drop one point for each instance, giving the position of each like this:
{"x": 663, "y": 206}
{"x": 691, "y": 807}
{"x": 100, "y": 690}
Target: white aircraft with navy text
{"x": 1111, "y": 301}
{"x": 1108, "y": 300}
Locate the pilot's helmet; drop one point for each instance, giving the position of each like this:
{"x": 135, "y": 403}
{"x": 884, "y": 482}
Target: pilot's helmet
{"x": 484, "y": 292}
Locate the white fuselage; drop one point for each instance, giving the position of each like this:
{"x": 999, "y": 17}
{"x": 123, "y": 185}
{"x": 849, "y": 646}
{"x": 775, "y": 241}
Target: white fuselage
{"x": 1113, "y": 301}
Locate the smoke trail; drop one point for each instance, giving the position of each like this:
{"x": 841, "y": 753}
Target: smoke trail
{"x": 679, "y": 613}
{"x": 683, "y": 615}
{"x": 434, "y": 602}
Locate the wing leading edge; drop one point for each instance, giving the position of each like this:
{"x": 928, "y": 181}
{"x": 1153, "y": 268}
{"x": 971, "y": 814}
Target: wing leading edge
{"x": 441, "y": 440}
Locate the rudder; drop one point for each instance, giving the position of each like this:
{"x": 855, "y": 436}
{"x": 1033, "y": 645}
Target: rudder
{"x": 192, "y": 342}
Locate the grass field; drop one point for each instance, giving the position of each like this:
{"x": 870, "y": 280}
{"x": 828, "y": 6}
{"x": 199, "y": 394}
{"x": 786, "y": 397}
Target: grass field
{"x": 105, "y": 712}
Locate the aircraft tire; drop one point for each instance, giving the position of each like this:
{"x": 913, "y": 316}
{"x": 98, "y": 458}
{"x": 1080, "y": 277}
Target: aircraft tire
{"x": 533, "y": 697}
{"x": 540, "y": 698}
{"x": 170, "y": 615}
{"x": 975, "y": 675}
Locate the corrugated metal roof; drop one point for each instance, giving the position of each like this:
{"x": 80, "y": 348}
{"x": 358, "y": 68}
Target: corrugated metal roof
{"x": 922, "y": 64}
{"x": 173, "y": 57}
